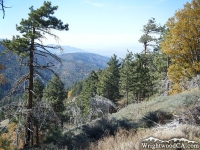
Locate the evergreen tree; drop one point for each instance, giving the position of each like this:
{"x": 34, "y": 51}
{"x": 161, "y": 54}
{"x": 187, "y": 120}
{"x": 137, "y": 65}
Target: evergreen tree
{"x": 158, "y": 70}
{"x": 34, "y": 29}
{"x": 147, "y": 39}
{"x": 54, "y": 93}
{"x": 108, "y": 85}
{"x": 99, "y": 72}
{"x": 143, "y": 85}
{"x": 37, "y": 90}
{"x": 155, "y": 61}
{"x": 89, "y": 91}
{"x": 77, "y": 88}
{"x": 37, "y": 96}
{"x": 127, "y": 72}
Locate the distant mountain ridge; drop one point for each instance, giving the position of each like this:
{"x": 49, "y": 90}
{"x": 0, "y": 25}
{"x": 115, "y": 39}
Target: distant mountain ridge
{"x": 66, "y": 49}
{"x": 75, "y": 66}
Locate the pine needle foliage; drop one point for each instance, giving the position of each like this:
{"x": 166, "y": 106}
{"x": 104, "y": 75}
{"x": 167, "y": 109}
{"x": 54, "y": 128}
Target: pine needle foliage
{"x": 34, "y": 30}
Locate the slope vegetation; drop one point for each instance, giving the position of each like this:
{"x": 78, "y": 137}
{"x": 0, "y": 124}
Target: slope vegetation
{"x": 136, "y": 122}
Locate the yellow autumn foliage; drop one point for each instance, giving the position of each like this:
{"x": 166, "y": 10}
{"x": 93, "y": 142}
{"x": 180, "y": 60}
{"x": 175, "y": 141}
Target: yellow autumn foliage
{"x": 2, "y": 79}
{"x": 70, "y": 94}
{"x": 182, "y": 44}
{"x": 10, "y": 139}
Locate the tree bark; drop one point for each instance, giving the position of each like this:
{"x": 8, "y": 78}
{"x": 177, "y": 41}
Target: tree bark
{"x": 37, "y": 134}
{"x": 127, "y": 97}
{"x": 30, "y": 95}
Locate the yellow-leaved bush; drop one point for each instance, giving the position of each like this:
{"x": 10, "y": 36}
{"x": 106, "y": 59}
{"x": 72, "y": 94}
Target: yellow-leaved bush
{"x": 69, "y": 94}
{"x": 182, "y": 44}
{"x": 10, "y": 140}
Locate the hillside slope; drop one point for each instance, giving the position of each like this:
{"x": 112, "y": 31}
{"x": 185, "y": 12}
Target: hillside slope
{"x": 77, "y": 66}
{"x": 171, "y": 104}
{"x": 74, "y": 67}
{"x": 134, "y": 117}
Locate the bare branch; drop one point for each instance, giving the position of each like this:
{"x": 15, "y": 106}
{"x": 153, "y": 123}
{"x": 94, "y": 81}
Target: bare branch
{"x": 3, "y": 7}
{"x": 47, "y": 52}
{"x": 14, "y": 88}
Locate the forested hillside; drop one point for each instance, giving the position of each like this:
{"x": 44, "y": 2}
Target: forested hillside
{"x": 77, "y": 66}
{"x": 74, "y": 67}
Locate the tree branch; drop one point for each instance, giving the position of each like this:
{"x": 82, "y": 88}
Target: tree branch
{"x": 3, "y": 8}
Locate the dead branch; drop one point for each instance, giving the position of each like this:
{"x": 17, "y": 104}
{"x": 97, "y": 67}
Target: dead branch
{"x": 3, "y": 7}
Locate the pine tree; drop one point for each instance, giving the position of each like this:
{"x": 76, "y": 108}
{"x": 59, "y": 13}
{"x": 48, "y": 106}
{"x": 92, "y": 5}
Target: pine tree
{"x": 137, "y": 76}
{"x": 55, "y": 93}
{"x": 143, "y": 85}
{"x": 147, "y": 39}
{"x": 34, "y": 29}
{"x": 127, "y": 72}
{"x": 153, "y": 59}
{"x": 89, "y": 91}
{"x": 38, "y": 88}
{"x": 108, "y": 85}
{"x": 76, "y": 88}
{"x": 158, "y": 70}
{"x": 37, "y": 96}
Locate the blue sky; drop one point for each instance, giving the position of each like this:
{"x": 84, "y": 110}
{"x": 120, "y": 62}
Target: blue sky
{"x": 99, "y": 26}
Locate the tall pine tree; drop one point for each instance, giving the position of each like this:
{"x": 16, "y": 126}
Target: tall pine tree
{"x": 148, "y": 38}
{"x": 38, "y": 88}
{"x": 55, "y": 94}
{"x": 34, "y": 29}
{"x": 143, "y": 77}
{"x": 89, "y": 91}
{"x": 108, "y": 85}
{"x": 127, "y": 73}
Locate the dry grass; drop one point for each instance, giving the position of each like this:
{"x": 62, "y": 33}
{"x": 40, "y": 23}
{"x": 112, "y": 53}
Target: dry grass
{"x": 172, "y": 104}
{"x": 176, "y": 104}
{"x": 4, "y": 123}
{"x": 134, "y": 117}
{"x": 130, "y": 140}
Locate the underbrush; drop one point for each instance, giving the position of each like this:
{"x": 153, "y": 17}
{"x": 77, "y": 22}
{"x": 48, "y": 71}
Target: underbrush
{"x": 169, "y": 104}
{"x": 126, "y": 128}
{"x": 131, "y": 140}
{"x": 145, "y": 116}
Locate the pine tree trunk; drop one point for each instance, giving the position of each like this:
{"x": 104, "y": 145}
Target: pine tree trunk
{"x": 32, "y": 137}
{"x": 127, "y": 97}
{"x": 145, "y": 66}
{"x": 30, "y": 95}
{"x": 145, "y": 47}
{"x": 37, "y": 134}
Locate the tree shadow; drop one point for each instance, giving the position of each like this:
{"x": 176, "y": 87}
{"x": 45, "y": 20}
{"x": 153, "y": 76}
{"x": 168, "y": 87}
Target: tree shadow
{"x": 80, "y": 137}
{"x": 93, "y": 132}
{"x": 156, "y": 118}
